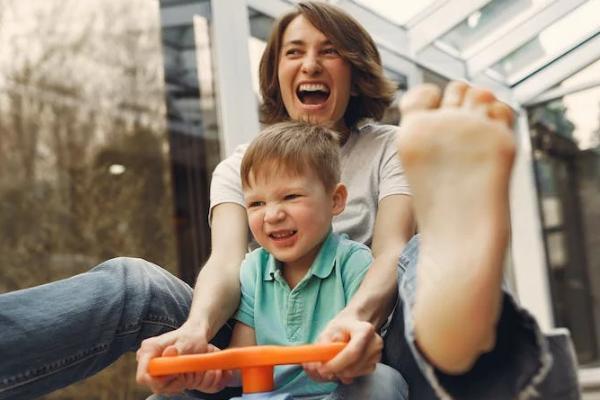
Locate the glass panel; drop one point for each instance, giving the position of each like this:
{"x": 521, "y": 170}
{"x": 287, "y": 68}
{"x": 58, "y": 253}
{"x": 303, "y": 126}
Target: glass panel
{"x": 566, "y": 139}
{"x": 400, "y": 12}
{"x": 588, "y": 75}
{"x": 488, "y": 19}
{"x": 550, "y": 43}
{"x": 192, "y": 124}
{"x": 84, "y": 160}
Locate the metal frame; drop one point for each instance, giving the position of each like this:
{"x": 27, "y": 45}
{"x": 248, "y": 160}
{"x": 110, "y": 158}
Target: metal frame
{"x": 237, "y": 104}
{"x": 559, "y": 70}
{"x": 527, "y": 243}
{"x": 561, "y": 92}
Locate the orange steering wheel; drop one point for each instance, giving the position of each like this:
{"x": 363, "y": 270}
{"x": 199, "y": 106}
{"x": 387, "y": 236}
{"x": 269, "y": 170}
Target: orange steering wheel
{"x": 256, "y": 362}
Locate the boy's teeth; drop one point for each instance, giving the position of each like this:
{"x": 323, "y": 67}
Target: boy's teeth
{"x": 279, "y": 235}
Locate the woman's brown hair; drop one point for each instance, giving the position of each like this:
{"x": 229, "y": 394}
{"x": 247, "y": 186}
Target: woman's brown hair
{"x": 374, "y": 92}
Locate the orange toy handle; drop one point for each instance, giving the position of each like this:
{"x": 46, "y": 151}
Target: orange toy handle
{"x": 244, "y": 357}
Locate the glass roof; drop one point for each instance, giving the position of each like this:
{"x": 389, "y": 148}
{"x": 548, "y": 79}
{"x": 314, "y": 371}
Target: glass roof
{"x": 399, "y": 12}
{"x": 493, "y": 17}
{"x": 553, "y": 41}
{"x": 504, "y": 42}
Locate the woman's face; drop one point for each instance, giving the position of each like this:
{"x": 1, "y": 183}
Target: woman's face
{"x": 314, "y": 80}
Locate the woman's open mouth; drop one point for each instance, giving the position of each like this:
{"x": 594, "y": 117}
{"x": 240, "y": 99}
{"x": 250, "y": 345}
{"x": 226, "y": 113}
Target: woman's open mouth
{"x": 312, "y": 93}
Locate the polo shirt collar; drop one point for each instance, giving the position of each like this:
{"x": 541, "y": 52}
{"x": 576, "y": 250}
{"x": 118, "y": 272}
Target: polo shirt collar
{"x": 321, "y": 267}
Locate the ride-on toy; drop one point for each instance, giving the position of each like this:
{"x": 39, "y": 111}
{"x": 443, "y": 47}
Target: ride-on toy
{"x": 255, "y": 362}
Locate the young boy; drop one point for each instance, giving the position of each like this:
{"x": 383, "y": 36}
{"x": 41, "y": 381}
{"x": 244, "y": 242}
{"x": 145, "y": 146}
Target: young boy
{"x": 303, "y": 274}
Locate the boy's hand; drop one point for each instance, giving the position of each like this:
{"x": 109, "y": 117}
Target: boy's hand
{"x": 359, "y": 357}
{"x": 184, "y": 340}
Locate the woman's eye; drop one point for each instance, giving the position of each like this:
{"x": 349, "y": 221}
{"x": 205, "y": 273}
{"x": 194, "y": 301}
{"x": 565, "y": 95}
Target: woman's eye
{"x": 330, "y": 51}
{"x": 292, "y": 52}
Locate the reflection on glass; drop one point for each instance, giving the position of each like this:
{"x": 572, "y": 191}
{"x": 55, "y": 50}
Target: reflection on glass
{"x": 400, "y": 12}
{"x": 557, "y": 255}
{"x": 559, "y": 37}
{"x": 84, "y": 162}
{"x": 551, "y": 208}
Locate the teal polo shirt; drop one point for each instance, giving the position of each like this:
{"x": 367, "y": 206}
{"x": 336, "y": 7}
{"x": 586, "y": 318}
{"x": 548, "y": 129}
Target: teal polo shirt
{"x": 284, "y": 316}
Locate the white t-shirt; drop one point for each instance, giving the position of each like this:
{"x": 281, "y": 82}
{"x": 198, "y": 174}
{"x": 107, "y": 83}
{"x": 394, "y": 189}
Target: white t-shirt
{"x": 371, "y": 170}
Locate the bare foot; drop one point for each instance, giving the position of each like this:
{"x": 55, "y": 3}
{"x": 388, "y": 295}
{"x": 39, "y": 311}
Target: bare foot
{"x": 458, "y": 160}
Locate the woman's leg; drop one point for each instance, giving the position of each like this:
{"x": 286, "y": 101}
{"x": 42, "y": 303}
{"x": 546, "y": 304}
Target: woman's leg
{"x": 522, "y": 361}
{"x": 62, "y": 332}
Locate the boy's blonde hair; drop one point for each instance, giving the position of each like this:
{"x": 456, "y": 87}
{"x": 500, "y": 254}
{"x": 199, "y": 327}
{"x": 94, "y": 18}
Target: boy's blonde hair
{"x": 293, "y": 148}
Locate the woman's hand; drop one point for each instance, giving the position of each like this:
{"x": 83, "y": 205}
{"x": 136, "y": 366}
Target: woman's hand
{"x": 212, "y": 381}
{"x": 359, "y": 357}
{"x": 184, "y": 340}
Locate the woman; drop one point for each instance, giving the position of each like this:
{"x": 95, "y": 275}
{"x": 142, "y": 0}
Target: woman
{"x": 319, "y": 65}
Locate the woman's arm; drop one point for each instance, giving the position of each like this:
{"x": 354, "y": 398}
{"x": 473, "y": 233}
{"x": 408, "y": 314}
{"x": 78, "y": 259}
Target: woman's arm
{"x": 375, "y": 298}
{"x": 216, "y": 297}
{"x": 217, "y": 290}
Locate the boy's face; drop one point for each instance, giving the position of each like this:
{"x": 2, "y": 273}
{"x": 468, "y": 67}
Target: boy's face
{"x": 289, "y": 215}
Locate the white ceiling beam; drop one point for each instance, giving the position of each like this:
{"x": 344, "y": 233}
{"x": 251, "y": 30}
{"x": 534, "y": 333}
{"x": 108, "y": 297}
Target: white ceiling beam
{"x": 563, "y": 91}
{"x": 237, "y": 104}
{"x": 440, "y": 21}
{"x": 580, "y": 57}
{"x": 520, "y": 34}
{"x": 384, "y": 31}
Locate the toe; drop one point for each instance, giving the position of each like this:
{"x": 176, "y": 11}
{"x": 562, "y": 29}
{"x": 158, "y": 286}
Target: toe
{"x": 454, "y": 94}
{"x": 478, "y": 98}
{"x": 501, "y": 112}
{"x": 420, "y": 98}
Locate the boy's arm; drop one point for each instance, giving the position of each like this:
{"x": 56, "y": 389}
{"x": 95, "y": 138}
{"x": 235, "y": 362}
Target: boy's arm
{"x": 243, "y": 335}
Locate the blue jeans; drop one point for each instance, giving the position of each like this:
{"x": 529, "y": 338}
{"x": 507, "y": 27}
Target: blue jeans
{"x": 62, "y": 332}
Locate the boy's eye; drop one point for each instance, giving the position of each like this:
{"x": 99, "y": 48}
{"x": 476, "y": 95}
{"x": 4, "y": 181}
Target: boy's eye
{"x": 254, "y": 204}
{"x": 291, "y": 196}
